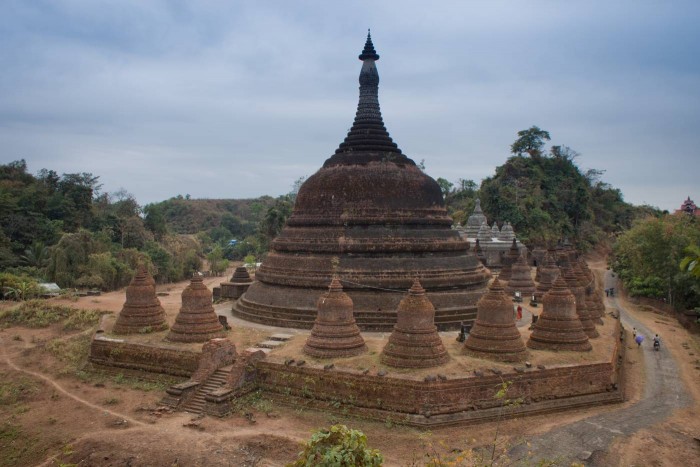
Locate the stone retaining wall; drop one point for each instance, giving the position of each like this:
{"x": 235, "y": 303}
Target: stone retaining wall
{"x": 442, "y": 402}
{"x": 118, "y": 353}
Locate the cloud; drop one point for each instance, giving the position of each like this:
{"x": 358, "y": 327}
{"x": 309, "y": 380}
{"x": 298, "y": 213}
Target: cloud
{"x": 239, "y": 99}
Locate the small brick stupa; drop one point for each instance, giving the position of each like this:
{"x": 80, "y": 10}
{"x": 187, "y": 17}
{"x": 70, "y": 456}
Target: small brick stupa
{"x": 577, "y": 289}
{"x": 479, "y": 252}
{"x": 142, "y": 312}
{"x": 495, "y": 335}
{"x": 197, "y": 321}
{"x": 520, "y": 279}
{"x": 594, "y": 299}
{"x": 415, "y": 342}
{"x": 508, "y": 261}
{"x": 549, "y": 271}
{"x": 239, "y": 283}
{"x": 559, "y": 327}
{"x": 335, "y": 333}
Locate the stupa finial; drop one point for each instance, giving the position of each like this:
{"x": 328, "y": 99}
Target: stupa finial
{"x": 368, "y": 51}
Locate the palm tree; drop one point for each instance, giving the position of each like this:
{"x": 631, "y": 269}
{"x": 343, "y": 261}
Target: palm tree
{"x": 691, "y": 262}
{"x": 36, "y": 255}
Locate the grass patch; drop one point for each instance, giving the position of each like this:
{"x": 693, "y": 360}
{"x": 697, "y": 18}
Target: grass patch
{"x": 253, "y": 400}
{"x": 41, "y": 314}
{"x": 160, "y": 383}
{"x": 16, "y": 448}
{"x": 14, "y": 389}
{"x": 73, "y": 352}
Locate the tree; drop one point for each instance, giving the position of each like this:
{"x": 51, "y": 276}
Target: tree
{"x": 530, "y": 141}
{"x": 647, "y": 259}
{"x": 338, "y": 446}
{"x": 445, "y": 186}
{"x": 274, "y": 220}
{"x": 217, "y": 262}
{"x": 155, "y": 220}
{"x": 78, "y": 190}
{"x": 295, "y": 187}
{"x": 36, "y": 256}
{"x": 691, "y": 262}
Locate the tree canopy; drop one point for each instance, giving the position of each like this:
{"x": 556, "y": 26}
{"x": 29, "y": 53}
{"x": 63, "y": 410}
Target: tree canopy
{"x": 545, "y": 196}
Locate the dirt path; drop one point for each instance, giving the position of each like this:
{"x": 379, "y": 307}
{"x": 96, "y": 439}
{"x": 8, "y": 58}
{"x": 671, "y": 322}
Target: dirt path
{"x": 588, "y": 440}
{"x": 65, "y": 392}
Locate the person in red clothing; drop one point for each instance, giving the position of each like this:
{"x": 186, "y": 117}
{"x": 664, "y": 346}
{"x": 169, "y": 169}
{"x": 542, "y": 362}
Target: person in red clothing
{"x": 520, "y": 312}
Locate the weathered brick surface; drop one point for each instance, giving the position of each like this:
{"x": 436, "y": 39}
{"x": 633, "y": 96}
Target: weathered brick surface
{"x": 142, "y": 311}
{"x": 116, "y": 353}
{"x": 335, "y": 333}
{"x": 495, "y": 334}
{"x": 415, "y": 342}
{"x": 372, "y": 217}
{"x": 197, "y": 321}
{"x": 439, "y": 402}
{"x": 559, "y": 326}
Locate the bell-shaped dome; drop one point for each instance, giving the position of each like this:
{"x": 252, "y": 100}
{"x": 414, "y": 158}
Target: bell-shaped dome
{"x": 494, "y": 334}
{"x": 142, "y": 312}
{"x": 197, "y": 321}
{"x": 559, "y": 327}
{"x": 335, "y": 333}
{"x": 374, "y": 218}
{"x": 415, "y": 342}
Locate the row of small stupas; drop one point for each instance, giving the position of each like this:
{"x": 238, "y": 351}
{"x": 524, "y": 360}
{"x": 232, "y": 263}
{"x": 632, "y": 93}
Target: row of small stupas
{"x": 572, "y": 306}
{"x": 142, "y": 312}
{"x": 414, "y": 342}
{"x": 491, "y": 242}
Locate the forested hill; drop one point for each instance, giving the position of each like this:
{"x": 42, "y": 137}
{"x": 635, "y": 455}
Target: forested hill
{"x": 62, "y": 228}
{"x": 189, "y": 216}
{"x": 546, "y": 196}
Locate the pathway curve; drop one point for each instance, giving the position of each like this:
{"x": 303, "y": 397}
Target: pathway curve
{"x": 65, "y": 392}
{"x": 664, "y": 392}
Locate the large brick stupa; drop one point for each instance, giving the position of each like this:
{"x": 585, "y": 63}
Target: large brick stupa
{"x": 377, "y": 221}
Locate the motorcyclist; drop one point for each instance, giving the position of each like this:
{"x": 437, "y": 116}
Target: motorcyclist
{"x": 657, "y": 342}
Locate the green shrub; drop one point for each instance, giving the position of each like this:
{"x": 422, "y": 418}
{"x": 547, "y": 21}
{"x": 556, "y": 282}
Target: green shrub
{"x": 18, "y": 287}
{"x": 338, "y": 446}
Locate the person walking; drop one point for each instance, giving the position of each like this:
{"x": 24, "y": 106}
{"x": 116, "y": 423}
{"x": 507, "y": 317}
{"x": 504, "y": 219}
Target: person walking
{"x": 639, "y": 339}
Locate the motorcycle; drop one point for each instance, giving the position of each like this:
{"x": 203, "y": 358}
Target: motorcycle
{"x": 657, "y": 345}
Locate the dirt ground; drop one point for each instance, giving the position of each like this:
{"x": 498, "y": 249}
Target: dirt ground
{"x": 51, "y": 414}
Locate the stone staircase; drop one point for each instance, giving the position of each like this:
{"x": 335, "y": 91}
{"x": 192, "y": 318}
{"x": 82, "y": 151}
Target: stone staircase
{"x": 215, "y": 381}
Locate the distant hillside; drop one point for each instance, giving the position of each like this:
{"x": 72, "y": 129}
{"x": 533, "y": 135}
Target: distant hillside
{"x": 238, "y": 216}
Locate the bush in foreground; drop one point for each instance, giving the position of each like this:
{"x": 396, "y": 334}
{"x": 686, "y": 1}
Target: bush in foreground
{"x": 338, "y": 446}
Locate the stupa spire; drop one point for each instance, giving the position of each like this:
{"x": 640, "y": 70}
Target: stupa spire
{"x": 368, "y": 140}
{"x": 369, "y": 52}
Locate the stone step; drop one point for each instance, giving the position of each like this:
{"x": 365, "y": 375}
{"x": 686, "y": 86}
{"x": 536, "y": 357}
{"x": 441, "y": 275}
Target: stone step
{"x": 281, "y": 337}
{"x": 270, "y": 344}
{"x": 255, "y": 349}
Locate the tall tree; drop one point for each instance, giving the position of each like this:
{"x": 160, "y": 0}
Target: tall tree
{"x": 530, "y": 141}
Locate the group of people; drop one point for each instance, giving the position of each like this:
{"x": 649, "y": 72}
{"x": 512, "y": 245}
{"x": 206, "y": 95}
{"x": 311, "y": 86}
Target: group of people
{"x": 639, "y": 338}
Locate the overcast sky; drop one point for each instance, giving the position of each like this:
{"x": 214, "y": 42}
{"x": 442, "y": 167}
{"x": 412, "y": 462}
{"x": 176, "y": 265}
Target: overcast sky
{"x": 226, "y": 99}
